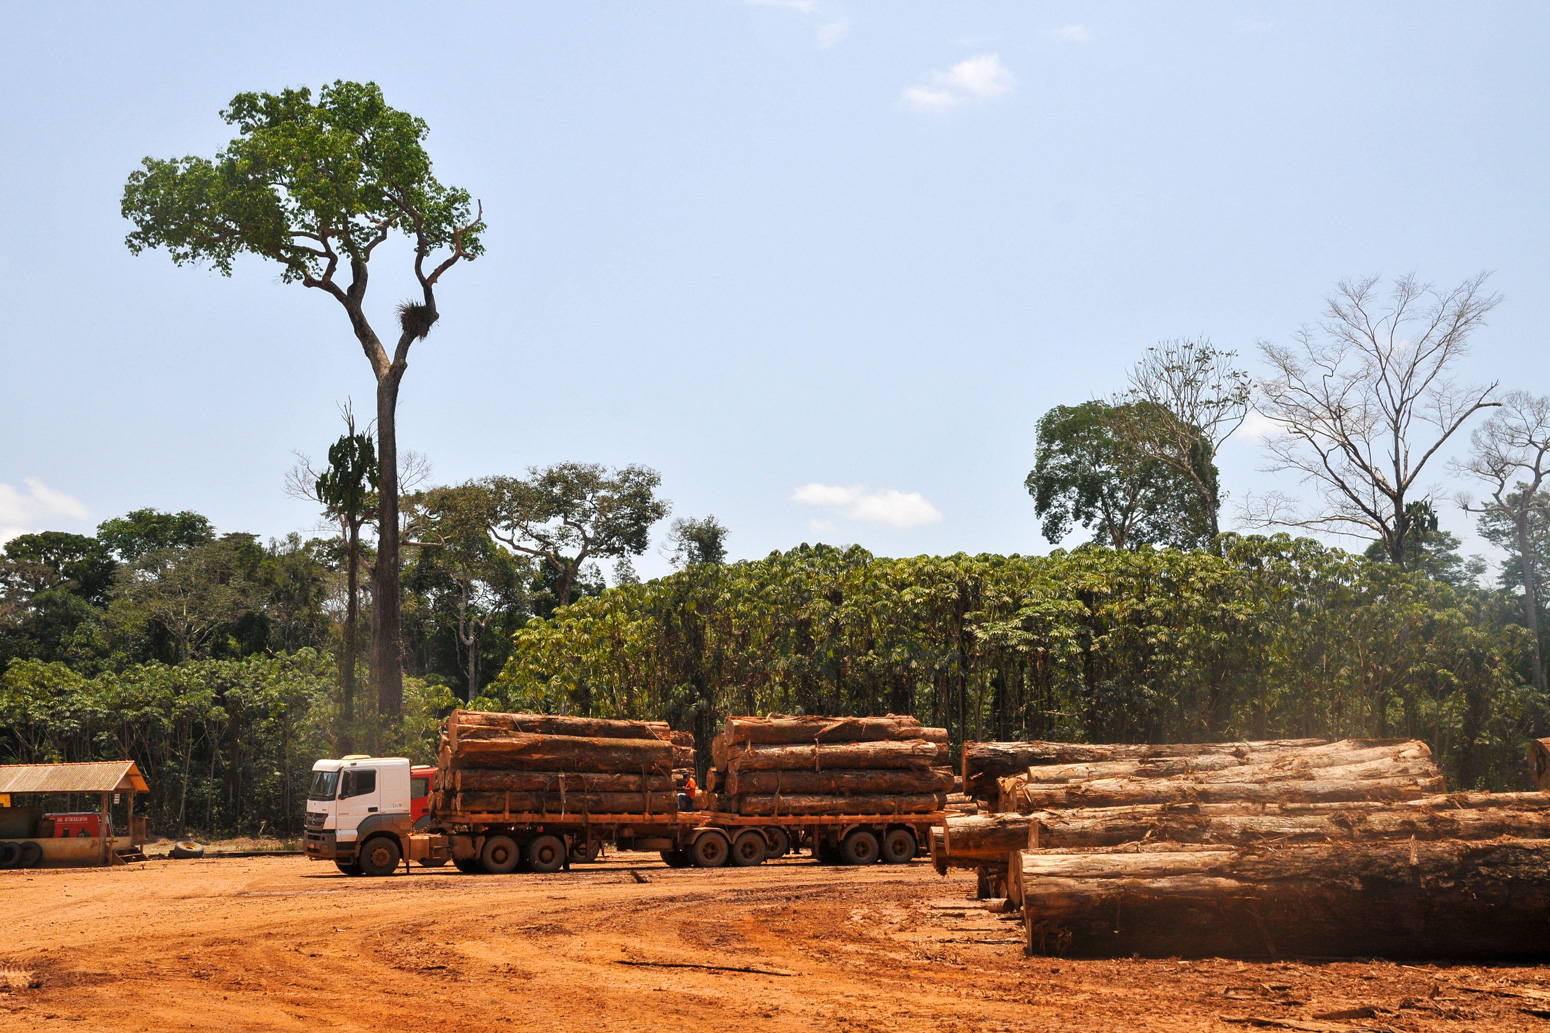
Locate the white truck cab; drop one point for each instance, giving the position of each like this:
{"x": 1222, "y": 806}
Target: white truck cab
{"x": 358, "y": 813}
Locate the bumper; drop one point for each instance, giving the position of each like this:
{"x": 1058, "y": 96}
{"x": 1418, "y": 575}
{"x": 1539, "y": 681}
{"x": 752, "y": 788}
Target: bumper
{"x": 325, "y": 846}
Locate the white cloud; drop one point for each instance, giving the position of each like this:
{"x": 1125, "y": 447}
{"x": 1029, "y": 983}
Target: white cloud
{"x": 1074, "y": 33}
{"x": 831, "y": 33}
{"x": 23, "y": 512}
{"x": 979, "y": 78}
{"x": 1258, "y": 426}
{"x": 890, "y": 508}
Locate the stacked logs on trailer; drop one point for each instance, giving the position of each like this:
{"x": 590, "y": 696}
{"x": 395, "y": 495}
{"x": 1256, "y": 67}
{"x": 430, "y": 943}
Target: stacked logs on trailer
{"x": 1329, "y": 849}
{"x": 491, "y": 763}
{"x": 777, "y": 765}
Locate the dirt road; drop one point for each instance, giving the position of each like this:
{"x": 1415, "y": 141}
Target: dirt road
{"x": 286, "y": 944}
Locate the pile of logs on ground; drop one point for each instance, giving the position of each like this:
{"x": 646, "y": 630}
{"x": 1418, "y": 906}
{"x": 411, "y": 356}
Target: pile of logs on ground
{"x": 771, "y": 766}
{"x": 1255, "y": 849}
{"x": 491, "y": 763}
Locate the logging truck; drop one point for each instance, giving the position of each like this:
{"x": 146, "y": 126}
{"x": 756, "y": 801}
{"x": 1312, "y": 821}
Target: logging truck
{"x": 374, "y": 815}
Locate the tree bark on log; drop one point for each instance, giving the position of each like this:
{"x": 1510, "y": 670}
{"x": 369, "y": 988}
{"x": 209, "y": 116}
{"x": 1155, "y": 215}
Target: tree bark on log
{"x": 524, "y": 752}
{"x": 559, "y": 724}
{"x": 841, "y": 782}
{"x": 1540, "y": 748}
{"x": 1227, "y": 767}
{"x": 553, "y": 781}
{"x": 917, "y": 755}
{"x": 1124, "y": 793}
{"x": 786, "y": 731}
{"x": 979, "y": 840}
{"x": 805, "y": 804}
{"x": 985, "y": 762}
{"x": 1437, "y": 900}
{"x": 565, "y": 803}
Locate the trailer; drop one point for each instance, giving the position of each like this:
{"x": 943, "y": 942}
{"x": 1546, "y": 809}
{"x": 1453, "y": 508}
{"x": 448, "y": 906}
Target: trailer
{"x": 359, "y": 816}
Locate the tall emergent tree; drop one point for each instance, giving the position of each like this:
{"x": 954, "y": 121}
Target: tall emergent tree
{"x": 1189, "y": 397}
{"x": 1364, "y": 400}
{"x": 1087, "y": 471}
{"x": 569, "y": 513}
{"x": 313, "y": 185}
{"x": 1511, "y": 454}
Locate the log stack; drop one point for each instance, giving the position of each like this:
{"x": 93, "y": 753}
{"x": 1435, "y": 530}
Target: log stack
{"x": 491, "y": 763}
{"x": 777, "y": 765}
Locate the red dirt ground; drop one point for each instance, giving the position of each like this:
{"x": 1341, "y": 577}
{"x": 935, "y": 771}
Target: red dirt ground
{"x": 286, "y": 944}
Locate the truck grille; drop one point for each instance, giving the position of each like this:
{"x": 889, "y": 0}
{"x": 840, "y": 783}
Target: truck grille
{"x": 315, "y": 820}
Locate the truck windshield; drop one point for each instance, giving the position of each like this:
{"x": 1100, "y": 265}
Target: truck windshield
{"x": 324, "y": 783}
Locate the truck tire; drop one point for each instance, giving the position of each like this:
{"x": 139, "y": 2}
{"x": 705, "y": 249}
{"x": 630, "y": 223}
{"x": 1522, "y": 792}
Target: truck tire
{"x": 500, "y": 855}
{"x": 860, "y": 847}
{"x": 825, "y": 851}
{"x": 546, "y": 853}
{"x": 379, "y": 856}
{"x": 348, "y": 867}
{"x": 184, "y": 849}
{"x": 710, "y": 850}
{"x": 469, "y": 865}
{"x": 29, "y": 854}
{"x": 677, "y": 858}
{"x": 10, "y": 853}
{"x": 585, "y": 853}
{"x": 749, "y": 849}
{"x": 779, "y": 841}
{"x": 899, "y": 846}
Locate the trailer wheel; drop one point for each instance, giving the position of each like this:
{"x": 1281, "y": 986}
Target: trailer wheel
{"x": 10, "y": 853}
{"x": 29, "y": 854}
{"x": 677, "y": 858}
{"x": 348, "y": 867}
{"x": 546, "y": 853}
{"x": 585, "y": 852}
{"x": 710, "y": 850}
{"x": 779, "y": 841}
{"x": 860, "y": 847}
{"x": 500, "y": 855}
{"x": 749, "y": 848}
{"x": 468, "y": 865}
{"x": 899, "y": 846}
{"x": 380, "y": 856}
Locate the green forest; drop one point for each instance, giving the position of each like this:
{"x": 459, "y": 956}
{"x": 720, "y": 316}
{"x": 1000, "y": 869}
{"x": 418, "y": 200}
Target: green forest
{"x": 226, "y": 664}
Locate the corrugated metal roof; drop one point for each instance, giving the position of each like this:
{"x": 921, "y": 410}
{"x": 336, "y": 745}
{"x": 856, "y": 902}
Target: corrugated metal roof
{"x": 104, "y": 776}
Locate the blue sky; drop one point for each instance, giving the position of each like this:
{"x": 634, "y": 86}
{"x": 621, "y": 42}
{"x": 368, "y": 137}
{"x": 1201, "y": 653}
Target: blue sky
{"x": 821, "y": 264}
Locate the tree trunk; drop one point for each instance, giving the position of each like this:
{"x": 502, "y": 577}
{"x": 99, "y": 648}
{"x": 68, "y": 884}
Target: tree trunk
{"x": 1121, "y": 793}
{"x": 564, "y": 803}
{"x": 1226, "y": 767}
{"x": 843, "y": 782}
{"x": 1443, "y": 899}
{"x": 1530, "y": 593}
{"x": 979, "y": 840}
{"x": 919, "y": 803}
{"x": 552, "y": 782}
{"x": 985, "y": 762}
{"x": 485, "y": 748}
{"x": 916, "y": 755}
{"x": 777, "y": 731}
{"x": 387, "y": 656}
{"x": 558, "y": 724}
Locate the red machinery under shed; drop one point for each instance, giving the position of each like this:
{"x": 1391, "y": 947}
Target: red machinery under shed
{"x": 27, "y": 835}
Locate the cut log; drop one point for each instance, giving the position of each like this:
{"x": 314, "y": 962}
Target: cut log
{"x": 567, "y": 803}
{"x": 803, "y": 804}
{"x": 1224, "y": 767}
{"x": 683, "y": 756}
{"x": 1540, "y": 750}
{"x": 559, "y": 724}
{"x": 984, "y": 762}
{"x": 525, "y": 752}
{"x": 918, "y": 755}
{"x": 1432, "y": 818}
{"x": 783, "y": 731}
{"x": 973, "y": 841}
{"x": 843, "y": 782}
{"x": 1438, "y": 900}
{"x": 478, "y": 780}
{"x": 1121, "y": 792}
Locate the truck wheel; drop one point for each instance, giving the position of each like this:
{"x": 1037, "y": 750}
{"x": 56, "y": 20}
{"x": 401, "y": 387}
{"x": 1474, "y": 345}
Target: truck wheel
{"x": 710, "y": 850}
{"x": 29, "y": 854}
{"x": 469, "y": 865}
{"x": 677, "y": 858}
{"x": 586, "y": 853}
{"x": 860, "y": 847}
{"x": 10, "y": 853}
{"x": 826, "y": 852}
{"x": 546, "y": 853}
{"x": 779, "y": 841}
{"x": 749, "y": 848}
{"x": 380, "y": 856}
{"x": 500, "y": 855}
{"x": 348, "y": 867}
{"x": 899, "y": 846}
